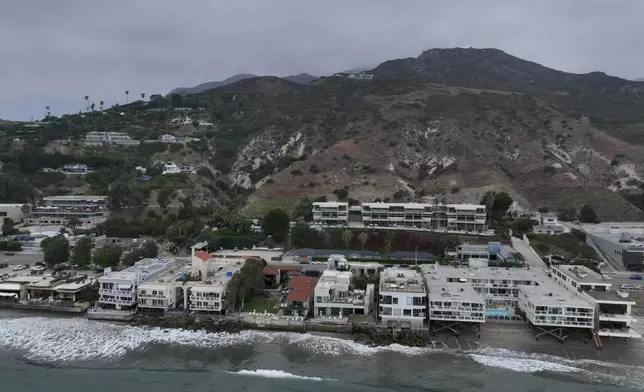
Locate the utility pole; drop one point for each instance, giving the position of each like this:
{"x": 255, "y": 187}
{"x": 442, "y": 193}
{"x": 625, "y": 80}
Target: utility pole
{"x": 416, "y": 255}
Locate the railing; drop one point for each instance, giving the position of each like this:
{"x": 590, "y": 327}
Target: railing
{"x": 117, "y": 301}
{"x": 433, "y": 316}
{"x": 114, "y": 312}
{"x": 204, "y": 307}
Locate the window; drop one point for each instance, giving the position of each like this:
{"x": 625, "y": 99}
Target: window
{"x": 395, "y": 300}
{"x": 396, "y": 312}
{"x": 410, "y": 300}
{"x": 318, "y": 299}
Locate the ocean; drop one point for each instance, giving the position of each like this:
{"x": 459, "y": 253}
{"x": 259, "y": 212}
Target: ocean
{"x": 72, "y": 354}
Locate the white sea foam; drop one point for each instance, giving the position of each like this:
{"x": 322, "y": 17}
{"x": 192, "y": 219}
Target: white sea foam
{"x": 277, "y": 374}
{"x": 522, "y": 365}
{"x": 57, "y": 339}
{"x": 73, "y": 339}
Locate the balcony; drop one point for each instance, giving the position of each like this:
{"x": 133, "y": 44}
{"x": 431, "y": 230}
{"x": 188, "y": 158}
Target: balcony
{"x": 615, "y": 317}
{"x": 205, "y": 308}
{"x": 114, "y": 301}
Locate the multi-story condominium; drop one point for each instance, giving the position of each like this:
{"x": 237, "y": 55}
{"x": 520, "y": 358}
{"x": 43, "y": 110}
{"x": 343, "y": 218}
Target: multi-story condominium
{"x": 554, "y": 310}
{"x": 335, "y": 295}
{"x": 498, "y": 286}
{"x": 210, "y": 295}
{"x": 118, "y": 289}
{"x": 452, "y": 217}
{"x": 331, "y": 213}
{"x": 167, "y": 290}
{"x": 11, "y": 212}
{"x": 451, "y": 303}
{"x": 58, "y": 210}
{"x": 612, "y": 305}
{"x": 403, "y": 297}
{"x": 101, "y": 138}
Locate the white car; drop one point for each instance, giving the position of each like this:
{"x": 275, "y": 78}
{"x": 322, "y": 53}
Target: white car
{"x": 19, "y": 268}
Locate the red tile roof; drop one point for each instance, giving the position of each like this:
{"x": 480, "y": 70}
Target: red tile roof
{"x": 301, "y": 287}
{"x": 271, "y": 271}
{"x": 203, "y": 255}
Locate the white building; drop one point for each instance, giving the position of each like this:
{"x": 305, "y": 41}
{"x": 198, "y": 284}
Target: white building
{"x": 403, "y": 297}
{"x": 117, "y": 138}
{"x": 336, "y": 296}
{"x": 331, "y": 213}
{"x": 11, "y": 212}
{"x": 210, "y": 295}
{"x": 450, "y": 217}
{"x": 75, "y": 169}
{"x": 58, "y": 210}
{"x": 167, "y": 138}
{"x": 118, "y": 289}
{"x": 498, "y": 286}
{"x": 555, "y": 311}
{"x": 454, "y": 306}
{"x": 549, "y": 224}
{"x": 612, "y": 305}
{"x": 172, "y": 168}
{"x": 165, "y": 291}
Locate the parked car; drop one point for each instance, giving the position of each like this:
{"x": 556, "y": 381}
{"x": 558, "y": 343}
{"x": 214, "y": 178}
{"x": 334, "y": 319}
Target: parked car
{"x": 9, "y": 253}
{"x": 4, "y": 265}
{"x": 19, "y": 268}
{"x": 636, "y": 277}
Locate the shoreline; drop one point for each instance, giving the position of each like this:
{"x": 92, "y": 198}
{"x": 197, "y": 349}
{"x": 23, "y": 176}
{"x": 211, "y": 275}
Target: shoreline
{"x": 511, "y": 336}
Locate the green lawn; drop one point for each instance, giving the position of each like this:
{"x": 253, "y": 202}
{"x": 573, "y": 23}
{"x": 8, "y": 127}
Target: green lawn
{"x": 260, "y": 304}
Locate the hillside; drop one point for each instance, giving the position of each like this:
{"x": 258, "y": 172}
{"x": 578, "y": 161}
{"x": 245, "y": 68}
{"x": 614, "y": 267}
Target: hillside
{"x": 450, "y": 124}
{"x": 302, "y": 78}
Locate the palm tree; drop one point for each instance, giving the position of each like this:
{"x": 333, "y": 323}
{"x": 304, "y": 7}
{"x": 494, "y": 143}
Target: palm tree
{"x": 47, "y": 112}
{"x": 127, "y": 95}
{"x": 101, "y": 104}
{"x": 91, "y": 115}
{"x": 143, "y": 96}
{"x": 363, "y": 237}
{"x": 87, "y": 99}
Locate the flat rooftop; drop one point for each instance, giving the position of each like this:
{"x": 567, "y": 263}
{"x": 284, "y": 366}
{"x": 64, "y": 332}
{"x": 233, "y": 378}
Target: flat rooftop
{"x": 609, "y": 296}
{"x": 495, "y": 273}
{"x": 218, "y": 279}
{"x": 401, "y": 280}
{"x": 549, "y": 293}
{"x": 145, "y": 268}
{"x": 455, "y": 292}
{"x": 168, "y": 276}
{"x": 582, "y": 274}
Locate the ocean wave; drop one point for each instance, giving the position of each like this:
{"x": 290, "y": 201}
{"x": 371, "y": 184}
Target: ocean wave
{"x": 592, "y": 370}
{"x": 278, "y": 374}
{"x": 522, "y": 365}
{"x": 71, "y": 339}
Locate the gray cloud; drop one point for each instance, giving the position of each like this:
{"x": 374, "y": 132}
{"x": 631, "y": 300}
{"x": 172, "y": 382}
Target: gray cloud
{"x": 55, "y": 52}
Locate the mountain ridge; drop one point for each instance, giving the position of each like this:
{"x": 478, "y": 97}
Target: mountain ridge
{"x": 302, "y": 78}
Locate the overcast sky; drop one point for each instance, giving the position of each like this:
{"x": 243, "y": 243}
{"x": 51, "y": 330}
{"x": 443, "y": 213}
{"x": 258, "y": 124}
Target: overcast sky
{"x": 54, "y": 52}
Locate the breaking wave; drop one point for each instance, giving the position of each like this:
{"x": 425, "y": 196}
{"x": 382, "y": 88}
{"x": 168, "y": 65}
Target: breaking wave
{"x": 277, "y": 374}
{"x": 72, "y": 339}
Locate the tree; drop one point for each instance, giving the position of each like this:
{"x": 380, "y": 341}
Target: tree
{"x": 579, "y": 234}
{"x": 142, "y": 96}
{"x": 73, "y": 222}
{"x": 101, "y": 104}
{"x": 82, "y": 252}
{"x": 55, "y": 250}
{"x": 108, "y": 255}
{"x": 148, "y": 249}
{"x": 389, "y": 241}
{"x": 304, "y": 209}
{"x": 246, "y": 284}
{"x": 497, "y": 203}
{"x": 363, "y": 237}
{"x": 347, "y": 236}
{"x": 521, "y": 226}
{"x": 127, "y": 97}
{"x": 276, "y": 224}
{"x": 587, "y": 214}
{"x": 567, "y": 214}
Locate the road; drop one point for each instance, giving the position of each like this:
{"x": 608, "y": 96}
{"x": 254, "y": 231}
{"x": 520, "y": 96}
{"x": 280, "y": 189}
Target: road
{"x": 21, "y": 258}
{"x": 531, "y": 257}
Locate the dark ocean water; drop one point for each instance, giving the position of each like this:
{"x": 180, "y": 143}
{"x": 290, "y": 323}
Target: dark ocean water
{"x": 70, "y": 354}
